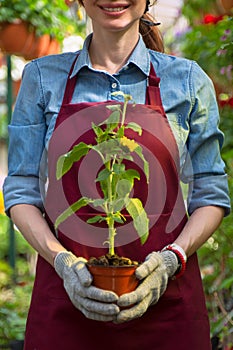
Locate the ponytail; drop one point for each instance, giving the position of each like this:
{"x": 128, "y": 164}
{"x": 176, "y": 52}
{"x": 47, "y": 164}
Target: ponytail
{"x": 151, "y": 35}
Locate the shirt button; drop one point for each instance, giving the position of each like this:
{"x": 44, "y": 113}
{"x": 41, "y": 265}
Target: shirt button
{"x": 114, "y": 85}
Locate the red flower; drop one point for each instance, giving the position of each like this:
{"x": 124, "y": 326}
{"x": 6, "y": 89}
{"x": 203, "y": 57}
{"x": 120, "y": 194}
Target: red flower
{"x": 212, "y": 19}
{"x": 228, "y": 102}
{"x": 69, "y": 2}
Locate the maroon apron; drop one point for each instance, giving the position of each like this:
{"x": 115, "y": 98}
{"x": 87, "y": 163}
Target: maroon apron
{"x": 179, "y": 320}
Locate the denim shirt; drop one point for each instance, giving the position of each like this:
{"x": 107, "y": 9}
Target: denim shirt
{"x": 188, "y": 98}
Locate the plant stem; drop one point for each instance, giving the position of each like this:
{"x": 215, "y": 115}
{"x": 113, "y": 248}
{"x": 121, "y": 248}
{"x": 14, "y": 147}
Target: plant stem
{"x": 111, "y": 229}
{"x": 112, "y": 232}
{"x": 124, "y": 112}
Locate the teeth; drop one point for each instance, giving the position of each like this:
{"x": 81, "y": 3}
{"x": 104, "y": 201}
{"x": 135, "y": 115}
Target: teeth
{"x": 113, "y": 9}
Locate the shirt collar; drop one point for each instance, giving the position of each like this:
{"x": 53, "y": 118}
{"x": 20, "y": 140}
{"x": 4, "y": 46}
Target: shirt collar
{"x": 139, "y": 57}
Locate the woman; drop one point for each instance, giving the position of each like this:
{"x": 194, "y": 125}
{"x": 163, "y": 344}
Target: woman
{"x": 66, "y": 310}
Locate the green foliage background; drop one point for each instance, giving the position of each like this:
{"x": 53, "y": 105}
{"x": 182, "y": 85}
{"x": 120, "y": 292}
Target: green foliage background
{"x": 211, "y": 45}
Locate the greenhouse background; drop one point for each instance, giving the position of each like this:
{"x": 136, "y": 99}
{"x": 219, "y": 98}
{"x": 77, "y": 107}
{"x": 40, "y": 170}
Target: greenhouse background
{"x": 201, "y": 30}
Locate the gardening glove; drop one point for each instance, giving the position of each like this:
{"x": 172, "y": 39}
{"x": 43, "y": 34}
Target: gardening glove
{"x": 94, "y": 303}
{"x": 154, "y": 272}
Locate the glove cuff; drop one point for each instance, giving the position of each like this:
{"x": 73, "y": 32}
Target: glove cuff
{"x": 181, "y": 257}
{"x": 63, "y": 259}
{"x": 171, "y": 261}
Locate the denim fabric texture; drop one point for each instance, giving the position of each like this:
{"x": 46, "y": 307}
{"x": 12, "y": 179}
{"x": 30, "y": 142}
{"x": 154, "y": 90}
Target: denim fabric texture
{"x": 188, "y": 98}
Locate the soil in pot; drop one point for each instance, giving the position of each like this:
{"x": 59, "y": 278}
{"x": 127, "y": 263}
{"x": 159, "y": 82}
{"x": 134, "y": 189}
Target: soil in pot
{"x": 111, "y": 272}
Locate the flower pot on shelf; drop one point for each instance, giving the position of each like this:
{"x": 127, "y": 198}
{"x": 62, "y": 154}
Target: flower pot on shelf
{"x": 42, "y": 46}
{"x": 54, "y": 47}
{"x": 119, "y": 279}
{"x": 39, "y": 47}
{"x": 15, "y": 38}
{"x": 19, "y": 39}
{"x": 227, "y": 5}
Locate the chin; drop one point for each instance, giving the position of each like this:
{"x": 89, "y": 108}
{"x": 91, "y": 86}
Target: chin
{"x": 120, "y": 26}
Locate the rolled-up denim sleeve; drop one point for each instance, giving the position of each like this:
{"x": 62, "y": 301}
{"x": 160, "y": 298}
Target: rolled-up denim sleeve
{"x": 26, "y": 143}
{"x": 209, "y": 182}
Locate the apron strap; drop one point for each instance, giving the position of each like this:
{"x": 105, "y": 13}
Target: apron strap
{"x": 153, "y": 96}
{"x": 70, "y": 85}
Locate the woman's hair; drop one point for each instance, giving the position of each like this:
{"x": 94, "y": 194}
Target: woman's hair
{"x": 151, "y": 34}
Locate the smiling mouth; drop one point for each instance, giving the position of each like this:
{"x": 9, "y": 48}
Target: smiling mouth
{"x": 114, "y": 9}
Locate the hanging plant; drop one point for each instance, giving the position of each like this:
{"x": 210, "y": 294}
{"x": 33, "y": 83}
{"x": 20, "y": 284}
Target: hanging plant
{"x": 46, "y": 17}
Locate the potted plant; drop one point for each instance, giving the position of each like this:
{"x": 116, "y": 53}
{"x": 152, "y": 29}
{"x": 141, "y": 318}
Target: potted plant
{"x": 42, "y": 24}
{"x": 116, "y": 183}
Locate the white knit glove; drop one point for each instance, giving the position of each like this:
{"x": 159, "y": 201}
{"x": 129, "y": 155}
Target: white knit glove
{"x": 94, "y": 303}
{"x": 154, "y": 272}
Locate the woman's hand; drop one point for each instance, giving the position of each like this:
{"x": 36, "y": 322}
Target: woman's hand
{"x": 154, "y": 274}
{"x": 94, "y": 303}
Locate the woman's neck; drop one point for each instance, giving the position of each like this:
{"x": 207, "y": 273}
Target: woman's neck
{"x": 110, "y": 52}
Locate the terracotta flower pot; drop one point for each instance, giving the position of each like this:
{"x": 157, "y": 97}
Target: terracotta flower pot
{"x": 16, "y": 38}
{"x": 54, "y": 47}
{"x": 43, "y": 46}
{"x": 119, "y": 279}
{"x": 19, "y": 39}
{"x": 227, "y": 5}
{"x": 39, "y": 47}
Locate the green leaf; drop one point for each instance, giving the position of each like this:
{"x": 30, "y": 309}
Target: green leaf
{"x": 138, "y": 150}
{"x": 227, "y": 283}
{"x": 135, "y": 127}
{"x": 128, "y": 157}
{"x": 119, "y": 168}
{"x": 140, "y": 220}
{"x": 103, "y": 175}
{"x": 123, "y": 188}
{"x": 121, "y": 131}
{"x": 114, "y": 118}
{"x": 104, "y": 188}
{"x": 112, "y": 121}
{"x": 114, "y": 107}
{"x": 118, "y": 204}
{"x": 82, "y": 202}
{"x": 117, "y": 217}
{"x": 126, "y": 97}
{"x": 98, "y": 202}
{"x": 66, "y": 161}
{"x": 97, "y": 129}
{"x": 97, "y": 218}
{"x": 108, "y": 148}
{"x": 131, "y": 174}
